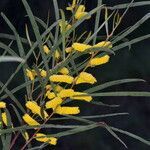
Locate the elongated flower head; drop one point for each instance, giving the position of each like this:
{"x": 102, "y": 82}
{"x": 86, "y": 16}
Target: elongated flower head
{"x": 106, "y": 44}
{"x": 35, "y": 109}
{"x": 62, "y": 78}
{"x": 66, "y": 93}
{"x": 50, "y": 95}
{"x": 99, "y": 60}
{"x": 2, "y": 105}
{"x": 81, "y": 96}
{"x": 43, "y": 138}
{"x": 29, "y": 120}
{"x": 67, "y": 110}
{"x": 53, "y": 103}
{"x": 80, "y": 47}
{"x": 85, "y": 77}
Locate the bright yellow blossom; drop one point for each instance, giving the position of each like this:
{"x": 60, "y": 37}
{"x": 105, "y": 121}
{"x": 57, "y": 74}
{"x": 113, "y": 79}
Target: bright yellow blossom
{"x": 50, "y": 95}
{"x": 53, "y": 103}
{"x": 46, "y": 49}
{"x": 99, "y": 60}
{"x": 81, "y": 96}
{"x": 66, "y": 93}
{"x": 4, "y": 118}
{"x": 35, "y": 109}
{"x": 30, "y": 121}
{"x": 2, "y": 105}
{"x": 67, "y": 110}
{"x": 42, "y": 138}
{"x": 85, "y": 77}
{"x": 61, "y": 78}
{"x": 80, "y": 12}
{"x": 80, "y": 47}
{"x": 64, "y": 71}
{"x": 106, "y": 44}
{"x": 30, "y": 74}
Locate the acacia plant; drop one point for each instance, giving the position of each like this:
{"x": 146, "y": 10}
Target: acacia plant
{"x": 52, "y": 82}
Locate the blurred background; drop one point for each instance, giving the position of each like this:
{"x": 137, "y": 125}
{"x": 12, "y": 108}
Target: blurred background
{"x": 133, "y": 63}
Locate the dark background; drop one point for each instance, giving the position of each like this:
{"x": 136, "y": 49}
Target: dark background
{"x": 125, "y": 64}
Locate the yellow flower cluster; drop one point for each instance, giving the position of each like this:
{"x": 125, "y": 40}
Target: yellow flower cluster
{"x": 97, "y": 60}
{"x": 35, "y": 109}
{"x": 43, "y": 138}
{"x": 29, "y": 120}
{"x": 60, "y": 86}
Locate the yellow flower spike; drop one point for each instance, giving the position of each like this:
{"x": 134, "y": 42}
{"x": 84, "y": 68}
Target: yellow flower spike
{"x": 57, "y": 54}
{"x": 43, "y": 73}
{"x": 81, "y": 12}
{"x": 35, "y": 109}
{"x": 106, "y": 44}
{"x": 2, "y": 105}
{"x": 53, "y": 103}
{"x": 29, "y": 120}
{"x": 46, "y": 49}
{"x": 66, "y": 93}
{"x": 69, "y": 49}
{"x": 81, "y": 96}
{"x": 30, "y": 74}
{"x": 61, "y": 78}
{"x": 67, "y": 110}
{"x": 85, "y": 77}
{"x": 80, "y": 47}
{"x": 99, "y": 60}
{"x": 50, "y": 95}
{"x": 64, "y": 71}
{"x": 42, "y": 138}
{"x": 4, "y": 118}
